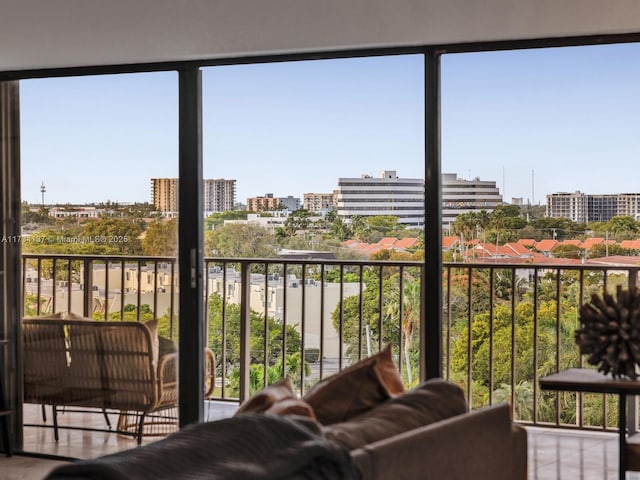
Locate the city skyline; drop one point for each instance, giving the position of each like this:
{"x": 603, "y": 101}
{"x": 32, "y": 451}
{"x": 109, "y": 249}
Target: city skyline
{"x": 277, "y": 128}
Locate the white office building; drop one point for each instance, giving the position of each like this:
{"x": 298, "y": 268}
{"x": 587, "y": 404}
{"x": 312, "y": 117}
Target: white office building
{"x": 462, "y": 196}
{"x": 387, "y": 194}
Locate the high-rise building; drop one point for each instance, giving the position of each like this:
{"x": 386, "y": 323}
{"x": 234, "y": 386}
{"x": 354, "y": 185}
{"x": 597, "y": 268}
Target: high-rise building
{"x": 387, "y": 194}
{"x": 567, "y": 205}
{"x": 462, "y": 196}
{"x": 601, "y": 208}
{"x": 290, "y": 203}
{"x": 263, "y": 204}
{"x": 318, "y": 202}
{"x": 218, "y": 194}
{"x": 164, "y": 194}
{"x": 584, "y": 208}
{"x": 629, "y": 205}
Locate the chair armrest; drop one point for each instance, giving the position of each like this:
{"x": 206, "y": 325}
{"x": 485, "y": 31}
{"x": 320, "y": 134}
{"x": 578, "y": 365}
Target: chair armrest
{"x": 209, "y": 373}
{"x": 168, "y": 366}
{"x": 168, "y": 370}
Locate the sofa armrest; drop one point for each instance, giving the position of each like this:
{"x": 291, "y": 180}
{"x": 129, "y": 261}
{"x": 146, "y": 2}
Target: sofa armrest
{"x": 472, "y": 445}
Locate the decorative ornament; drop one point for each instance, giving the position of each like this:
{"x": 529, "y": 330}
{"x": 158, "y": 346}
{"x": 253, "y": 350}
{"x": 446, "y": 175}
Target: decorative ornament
{"x": 609, "y": 332}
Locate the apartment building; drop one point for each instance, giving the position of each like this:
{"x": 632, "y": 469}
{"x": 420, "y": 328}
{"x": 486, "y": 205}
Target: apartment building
{"x": 462, "y": 196}
{"x": 290, "y": 203}
{"x": 164, "y": 194}
{"x": 219, "y": 194}
{"x": 629, "y": 205}
{"x": 79, "y": 211}
{"x": 581, "y": 207}
{"x": 601, "y": 208}
{"x": 387, "y": 194}
{"x": 318, "y": 202}
{"x": 567, "y": 205}
{"x": 263, "y": 204}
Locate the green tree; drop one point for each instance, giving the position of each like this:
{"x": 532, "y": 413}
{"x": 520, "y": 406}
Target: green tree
{"x": 40, "y": 216}
{"x": 601, "y": 250}
{"x": 360, "y": 229}
{"x": 161, "y": 239}
{"x": 240, "y": 240}
{"x": 229, "y": 320}
{"x": 117, "y": 236}
{"x": 568, "y": 251}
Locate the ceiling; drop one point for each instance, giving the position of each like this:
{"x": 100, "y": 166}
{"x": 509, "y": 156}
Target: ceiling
{"x": 36, "y": 34}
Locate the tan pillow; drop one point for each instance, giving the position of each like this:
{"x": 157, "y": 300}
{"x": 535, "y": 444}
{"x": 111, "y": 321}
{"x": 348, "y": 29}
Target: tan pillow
{"x": 291, "y": 406}
{"x": 152, "y": 325}
{"x": 356, "y": 389}
{"x": 268, "y": 396}
{"x": 429, "y": 402}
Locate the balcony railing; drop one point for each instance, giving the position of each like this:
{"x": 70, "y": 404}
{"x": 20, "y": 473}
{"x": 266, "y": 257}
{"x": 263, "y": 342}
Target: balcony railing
{"x": 504, "y": 326}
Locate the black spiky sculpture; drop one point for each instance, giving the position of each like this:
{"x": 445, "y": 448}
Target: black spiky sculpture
{"x": 609, "y": 332}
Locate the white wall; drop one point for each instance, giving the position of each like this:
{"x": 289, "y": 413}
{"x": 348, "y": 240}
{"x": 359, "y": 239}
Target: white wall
{"x": 62, "y": 33}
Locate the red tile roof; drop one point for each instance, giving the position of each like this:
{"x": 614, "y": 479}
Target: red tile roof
{"x": 591, "y": 241}
{"x": 527, "y": 242}
{"x": 517, "y": 249}
{"x": 407, "y": 242}
{"x": 450, "y": 241}
{"x": 546, "y": 245}
{"x": 572, "y": 241}
{"x": 387, "y": 241}
{"x": 616, "y": 260}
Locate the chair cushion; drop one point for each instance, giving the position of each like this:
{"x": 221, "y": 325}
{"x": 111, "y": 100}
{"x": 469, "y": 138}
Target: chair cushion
{"x": 429, "y": 402}
{"x": 165, "y": 346}
{"x": 152, "y": 325}
{"x": 356, "y": 389}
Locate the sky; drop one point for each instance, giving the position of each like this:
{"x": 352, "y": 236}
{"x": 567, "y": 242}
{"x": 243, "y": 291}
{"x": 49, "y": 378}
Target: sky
{"x": 534, "y": 121}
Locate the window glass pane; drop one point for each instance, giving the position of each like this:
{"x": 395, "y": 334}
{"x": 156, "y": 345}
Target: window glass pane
{"x": 326, "y": 159}
{"x": 96, "y": 247}
{"x": 538, "y": 150}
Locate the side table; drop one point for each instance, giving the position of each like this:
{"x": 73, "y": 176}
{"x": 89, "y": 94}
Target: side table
{"x": 592, "y": 381}
{"x": 5, "y": 413}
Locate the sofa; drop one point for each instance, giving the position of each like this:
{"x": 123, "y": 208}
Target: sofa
{"x": 483, "y": 444}
{"x": 357, "y": 424}
{"x": 107, "y": 365}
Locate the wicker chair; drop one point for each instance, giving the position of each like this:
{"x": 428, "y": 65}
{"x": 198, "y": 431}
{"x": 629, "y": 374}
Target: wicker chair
{"x": 97, "y": 364}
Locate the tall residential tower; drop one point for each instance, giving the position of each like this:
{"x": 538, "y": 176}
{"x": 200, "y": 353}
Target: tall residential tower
{"x": 219, "y": 195}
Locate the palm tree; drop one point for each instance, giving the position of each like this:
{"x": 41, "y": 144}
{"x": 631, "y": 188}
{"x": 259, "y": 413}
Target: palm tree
{"x": 360, "y": 228}
{"x": 410, "y": 321}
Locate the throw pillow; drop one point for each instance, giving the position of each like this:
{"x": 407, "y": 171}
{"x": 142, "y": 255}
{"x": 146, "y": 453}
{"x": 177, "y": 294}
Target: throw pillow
{"x": 165, "y": 346}
{"x": 356, "y": 389}
{"x": 429, "y": 402}
{"x": 291, "y": 406}
{"x": 267, "y": 397}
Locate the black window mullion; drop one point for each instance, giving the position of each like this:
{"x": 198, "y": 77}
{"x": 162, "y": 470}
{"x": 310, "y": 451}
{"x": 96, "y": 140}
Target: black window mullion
{"x": 190, "y": 248}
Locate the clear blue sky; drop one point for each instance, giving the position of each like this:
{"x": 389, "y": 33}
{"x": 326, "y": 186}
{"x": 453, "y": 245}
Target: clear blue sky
{"x": 570, "y": 115}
